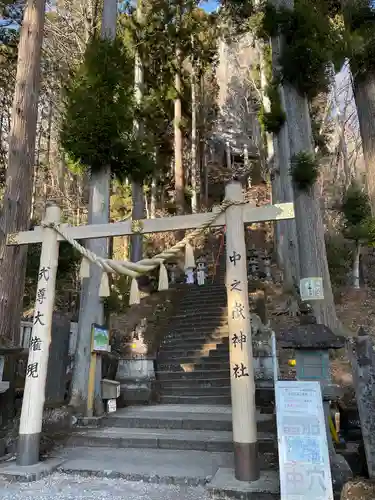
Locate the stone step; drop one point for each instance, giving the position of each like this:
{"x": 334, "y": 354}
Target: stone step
{"x": 201, "y": 314}
{"x": 203, "y": 307}
{"x": 170, "y": 439}
{"x": 207, "y": 324}
{"x": 187, "y": 390}
{"x": 189, "y": 341}
{"x": 194, "y": 354}
{"x": 178, "y": 365}
{"x": 198, "y": 417}
{"x": 197, "y": 330}
{"x": 195, "y": 400}
{"x": 205, "y": 347}
{"x": 191, "y": 468}
{"x": 207, "y": 317}
{"x": 179, "y": 383}
{"x": 205, "y": 378}
{"x": 182, "y": 344}
{"x": 219, "y": 335}
{"x": 178, "y": 333}
{"x": 217, "y": 299}
{"x": 208, "y": 289}
{"x": 197, "y": 357}
{"x": 264, "y": 397}
{"x": 224, "y": 390}
{"x": 192, "y": 376}
{"x": 208, "y": 286}
{"x": 197, "y": 365}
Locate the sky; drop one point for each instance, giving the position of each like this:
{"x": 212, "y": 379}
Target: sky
{"x": 209, "y": 5}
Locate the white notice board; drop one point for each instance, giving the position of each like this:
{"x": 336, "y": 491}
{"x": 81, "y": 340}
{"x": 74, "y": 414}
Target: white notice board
{"x": 311, "y": 289}
{"x": 305, "y": 472}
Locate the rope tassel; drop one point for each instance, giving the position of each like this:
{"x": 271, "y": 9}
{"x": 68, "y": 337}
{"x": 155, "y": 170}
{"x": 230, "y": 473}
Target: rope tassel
{"x": 134, "y": 293}
{"x": 104, "y": 286}
{"x": 189, "y": 256}
{"x": 84, "y": 270}
{"x": 163, "y": 278}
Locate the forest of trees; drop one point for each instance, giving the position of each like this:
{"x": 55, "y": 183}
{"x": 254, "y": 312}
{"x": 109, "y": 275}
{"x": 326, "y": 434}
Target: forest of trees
{"x": 112, "y": 108}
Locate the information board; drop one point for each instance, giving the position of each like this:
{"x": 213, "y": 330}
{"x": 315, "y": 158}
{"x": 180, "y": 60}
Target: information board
{"x": 305, "y": 472}
{"x": 311, "y": 289}
{"x": 100, "y": 338}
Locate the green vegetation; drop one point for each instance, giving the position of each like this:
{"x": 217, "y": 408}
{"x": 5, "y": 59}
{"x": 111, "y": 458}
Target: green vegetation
{"x": 97, "y": 127}
{"x": 359, "y": 225}
{"x": 304, "y": 170}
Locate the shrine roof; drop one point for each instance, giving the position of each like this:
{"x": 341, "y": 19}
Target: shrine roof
{"x": 309, "y": 336}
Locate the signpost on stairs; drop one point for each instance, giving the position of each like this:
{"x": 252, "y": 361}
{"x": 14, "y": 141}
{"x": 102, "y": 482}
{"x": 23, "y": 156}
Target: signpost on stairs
{"x": 241, "y": 365}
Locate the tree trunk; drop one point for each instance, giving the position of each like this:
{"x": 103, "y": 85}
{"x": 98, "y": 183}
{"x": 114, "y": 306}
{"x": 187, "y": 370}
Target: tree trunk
{"x": 195, "y": 174}
{"x": 308, "y": 218}
{"x": 15, "y": 213}
{"x": 91, "y": 306}
{"x": 147, "y": 206}
{"x": 49, "y": 133}
{"x": 364, "y": 93}
{"x": 246, "y": 164}
{"x": 138, "y": 211}
{"x": 272, "y": 159}
{"x": 356, "y": 276}
{"x": 340, "y": 122}
{"x": 179, "y": 177}
{"x": 228, "y": 156}
{"x": 153, "y": 198}
{"x": 278, "y": 159}
{"x": 205, "y": 166}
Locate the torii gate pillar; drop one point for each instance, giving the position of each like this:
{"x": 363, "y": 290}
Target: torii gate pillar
{"x": 36, "y": 372}
{"x": 240, "y": 344}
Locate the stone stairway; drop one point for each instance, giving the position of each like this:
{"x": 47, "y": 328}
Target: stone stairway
{"x": 187, "y": 437}
{"x": 174, "y": 444}
{"x": 193, "y": 360}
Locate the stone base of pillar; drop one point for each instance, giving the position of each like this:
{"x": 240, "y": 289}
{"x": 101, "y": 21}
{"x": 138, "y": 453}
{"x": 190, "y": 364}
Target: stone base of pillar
{"x": 28, "y": 449}
{"x": 246, "y": 461}
{"x": 225, "y": 485}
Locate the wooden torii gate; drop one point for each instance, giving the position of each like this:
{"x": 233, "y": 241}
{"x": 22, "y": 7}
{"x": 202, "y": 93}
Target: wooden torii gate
{"x": 241, "y": 357}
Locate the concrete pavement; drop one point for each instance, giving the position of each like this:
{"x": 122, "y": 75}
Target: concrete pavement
{"x": 60, "y": 486}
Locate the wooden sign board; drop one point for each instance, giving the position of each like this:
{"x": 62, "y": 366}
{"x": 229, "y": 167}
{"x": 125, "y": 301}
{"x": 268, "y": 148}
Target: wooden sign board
{"x": 311, "y": 289}
{"x": 100, "y": 338}
{"x": 305, "y": 472}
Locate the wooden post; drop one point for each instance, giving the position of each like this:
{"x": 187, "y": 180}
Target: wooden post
{"x": 91, "y": 386}
{"x": 36, "y": 372}
{"x": 240, "y": 345}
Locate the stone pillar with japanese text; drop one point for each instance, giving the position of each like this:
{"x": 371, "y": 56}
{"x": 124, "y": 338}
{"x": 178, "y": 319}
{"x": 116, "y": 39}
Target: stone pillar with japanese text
{"x": 36, "y": 371}
{"x": 240, "y": 343}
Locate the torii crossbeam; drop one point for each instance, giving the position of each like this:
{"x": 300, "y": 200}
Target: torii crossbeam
{"x": 241, "y": 360}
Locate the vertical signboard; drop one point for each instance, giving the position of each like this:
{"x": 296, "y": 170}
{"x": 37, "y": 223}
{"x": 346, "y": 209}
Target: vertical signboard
{"x": 305, "y": 472}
